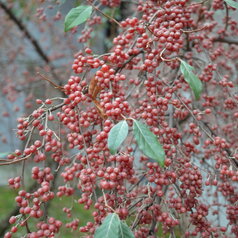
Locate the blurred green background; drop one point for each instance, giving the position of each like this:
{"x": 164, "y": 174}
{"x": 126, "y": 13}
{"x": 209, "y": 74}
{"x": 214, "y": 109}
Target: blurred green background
{"x": 7, "y": 203}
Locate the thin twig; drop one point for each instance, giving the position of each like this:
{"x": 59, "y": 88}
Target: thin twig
{"x": 227, "y": 15}
{"x": 24, "y": 161}
{"x": 167, "y": 60}
{"x": 15, "y": 161}
{"x": 191, "y": 31}
{"x": 109, "y": 17}
{"x": 52, "y": 83}
{"x": 127, "y": 61}
{"x": 105, "y": 201}
{"x": 197, "y": 3}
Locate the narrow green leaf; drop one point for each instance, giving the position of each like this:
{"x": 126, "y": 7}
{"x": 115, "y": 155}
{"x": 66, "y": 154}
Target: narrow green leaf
{"x": 77, "y": 16}
{"x": 109, "y": 227}
{"x": 4, "y": 154}
{"x": 232, "y": 3}
{"x": 125, "y": 231}
{"x": 148, "y": 142}
{"x": 193, "y": 81}
{"x": 117, "y": 135}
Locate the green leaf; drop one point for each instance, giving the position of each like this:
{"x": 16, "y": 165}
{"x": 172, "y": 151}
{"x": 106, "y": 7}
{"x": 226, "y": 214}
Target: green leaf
{"x": 113, "y": 227}
{"x": 232, "y": 3}
{"x": 117, "y": 135}
{"x": 193, "y": 81}
{"x": 77, "y": 16}
{"x": 148, "y": 142}
{"x": 125, "y": 231}
{"x": 4, "y": 154}
{"x": 109, "y": 227}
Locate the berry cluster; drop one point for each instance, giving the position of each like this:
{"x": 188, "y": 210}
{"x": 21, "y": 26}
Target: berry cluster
{"x": 140, "y": 78}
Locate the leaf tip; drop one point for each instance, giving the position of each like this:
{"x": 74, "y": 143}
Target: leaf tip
{"x": 112, "y": 151}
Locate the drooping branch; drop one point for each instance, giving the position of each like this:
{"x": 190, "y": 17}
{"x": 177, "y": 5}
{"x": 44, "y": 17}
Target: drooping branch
{"x": 4, "y": 224}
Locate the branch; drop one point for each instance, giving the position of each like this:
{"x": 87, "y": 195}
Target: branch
{"x": 23, "y": 28}
{"x": 127, "y": 61}
{"x": 52, "y": 83}
{"x": 15, "y": 161}
{"x": 227, "y": 16}
{"x": 210, "y": 136}
{"x": 226, "y": 40}
{"x": 110, "y": 18}
{"x": 28, "y": 35}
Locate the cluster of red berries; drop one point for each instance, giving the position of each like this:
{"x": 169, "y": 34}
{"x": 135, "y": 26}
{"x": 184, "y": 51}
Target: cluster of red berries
{"x": 15, "y": 182}
{"x": 140, "y": 79}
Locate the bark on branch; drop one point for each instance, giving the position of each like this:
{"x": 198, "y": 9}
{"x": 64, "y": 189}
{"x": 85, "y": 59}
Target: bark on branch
{"x": 226, "y": 40}
{"x": 39, "y": 50}
{"x": 28, "y": 35}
